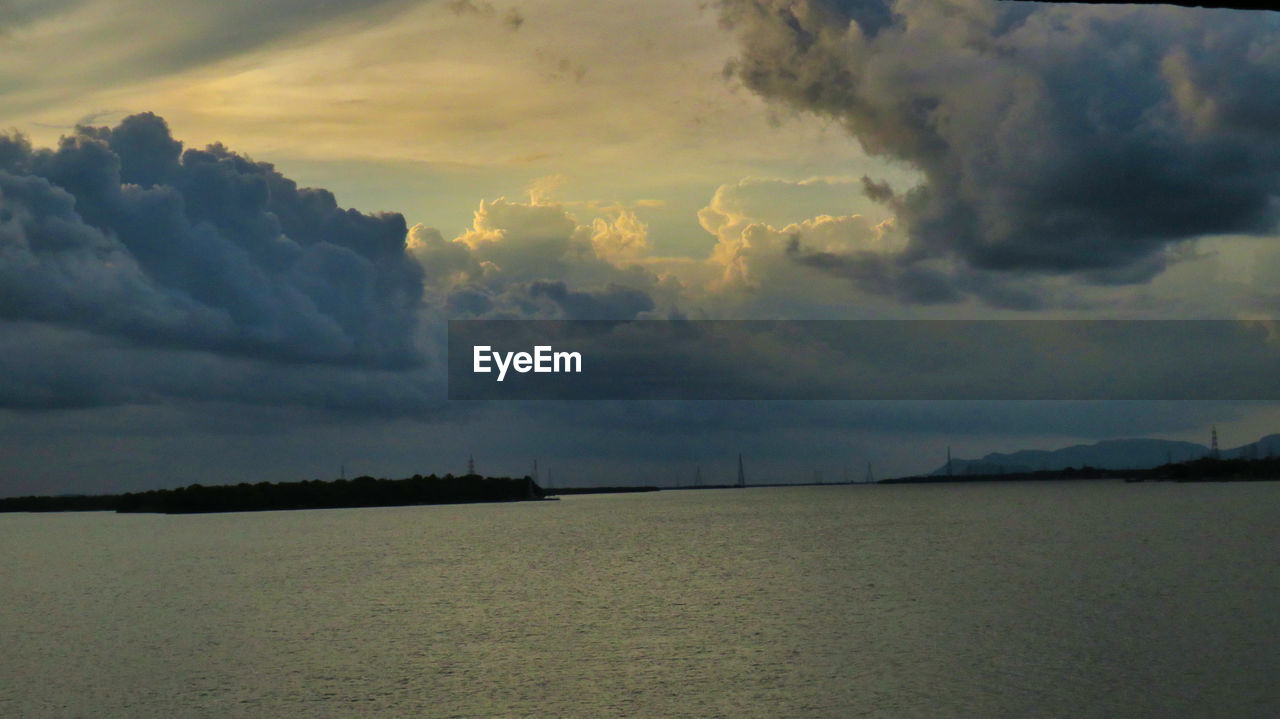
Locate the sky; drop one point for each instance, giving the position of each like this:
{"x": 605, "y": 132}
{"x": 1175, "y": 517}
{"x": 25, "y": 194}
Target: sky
{"x": 231, "y": 233}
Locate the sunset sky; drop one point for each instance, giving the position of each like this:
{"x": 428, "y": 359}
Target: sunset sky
{"x": 169, "y": 318}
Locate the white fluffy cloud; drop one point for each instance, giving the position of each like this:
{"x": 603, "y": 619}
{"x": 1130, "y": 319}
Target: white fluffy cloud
{"x": 534, "y": 259}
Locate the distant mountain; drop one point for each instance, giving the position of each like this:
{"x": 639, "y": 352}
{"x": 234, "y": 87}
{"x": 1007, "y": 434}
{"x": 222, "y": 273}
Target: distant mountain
{"x": 1107, "y": 454}
{"x": 1268, "y": 446}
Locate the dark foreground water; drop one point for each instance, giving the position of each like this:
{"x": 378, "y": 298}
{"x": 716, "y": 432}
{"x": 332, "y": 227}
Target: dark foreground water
{"x": 1015, "y": 600}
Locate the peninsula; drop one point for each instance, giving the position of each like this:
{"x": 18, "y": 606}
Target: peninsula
{"x": 313, "y": 494}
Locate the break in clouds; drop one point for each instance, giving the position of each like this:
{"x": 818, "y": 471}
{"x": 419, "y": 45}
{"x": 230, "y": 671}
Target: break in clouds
{"x": 1073, "y": 140}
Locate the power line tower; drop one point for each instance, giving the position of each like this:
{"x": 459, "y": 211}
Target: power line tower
{"x": 742, "y": 475}
{"x": 948, "y": 460}
{"x": 471, "y": 464}
{"x": 870, "y": 478}
{"x": 535, "y": 469}
{"x": 697, "y": 476}
{"x": 1213, "y": 447}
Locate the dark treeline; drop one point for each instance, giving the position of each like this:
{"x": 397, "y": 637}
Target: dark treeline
{"x": 63, "y": 503}
{"x": 1209, "y": 469}
{"x": 314, "y": 494}
{"x": 1206, "y": 469}
{"x": 600, "y": 490}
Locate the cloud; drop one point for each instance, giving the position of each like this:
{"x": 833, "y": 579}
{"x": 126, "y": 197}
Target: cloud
{"x": 129, "y": 40}
{"x": 621, "y": 238}
{"x": 779, "y": 267}
{"x": 48, "y": 367}
{"x": 119, "y": 232}
{"x": 543, "y": 189}
{"x": 755, "y": 255}
{"x": 1052, "y": 139}
{"x": 443, "y": 262}
{"x": 199, "y": 275}
{"x": 610, "y": 302}
{"x": 535, "y": 260}
{"x": 877, "y": 274}
{"x": 780, "y": 202}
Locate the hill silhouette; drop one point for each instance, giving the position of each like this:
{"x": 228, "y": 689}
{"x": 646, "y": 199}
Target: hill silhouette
{"x": 1111, "y": 454}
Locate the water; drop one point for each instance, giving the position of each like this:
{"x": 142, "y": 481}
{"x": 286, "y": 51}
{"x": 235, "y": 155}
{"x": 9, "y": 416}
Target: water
{"x": 1000, "y": 600}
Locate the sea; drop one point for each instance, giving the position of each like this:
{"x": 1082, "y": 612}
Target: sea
{"x": 1018, "y": 599}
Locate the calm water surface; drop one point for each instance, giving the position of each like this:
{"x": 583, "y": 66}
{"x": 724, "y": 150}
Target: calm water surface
{"x": 1017, "y": 600}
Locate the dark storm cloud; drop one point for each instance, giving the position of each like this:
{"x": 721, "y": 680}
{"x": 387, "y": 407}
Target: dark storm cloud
{"x": 47, "y": 367}
{"x": 611, "y": 302}
{"x": 877, "y": 191}
{"x": 877, "y": 274}
{"x": 1052, "y": 139}
{"x": 910, "y": 281}
{"x": 120, "y": 232}
{"x": 915, "y": 284}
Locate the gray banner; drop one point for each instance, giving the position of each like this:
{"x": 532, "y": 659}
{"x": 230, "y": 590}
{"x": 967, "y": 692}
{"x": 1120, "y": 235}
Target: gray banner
{"x": 913, "y": 359}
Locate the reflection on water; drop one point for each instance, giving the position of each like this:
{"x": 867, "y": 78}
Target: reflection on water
{"x": 1095, "y": 600}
